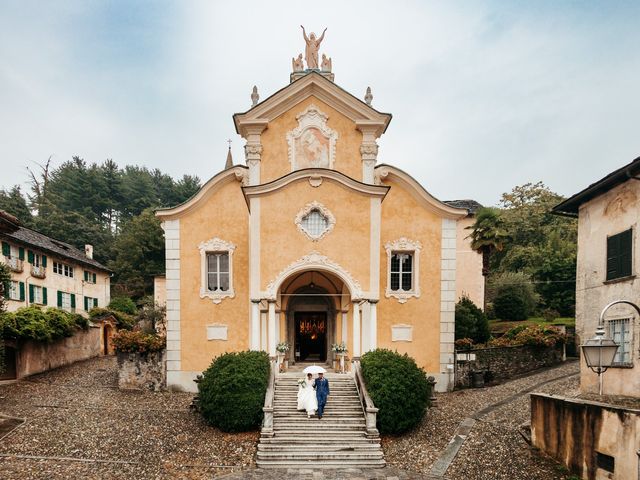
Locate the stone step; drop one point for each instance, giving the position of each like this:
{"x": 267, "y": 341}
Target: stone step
{"x": 329, "y": 415}
{"x": 315, "y": 464}
{"x": 302, "y": 440}
{"x": 320, "y": 455}
{"x": 322, "y": 424}
{"x": 313, "y": 433}
{"x": 320, "y": 447}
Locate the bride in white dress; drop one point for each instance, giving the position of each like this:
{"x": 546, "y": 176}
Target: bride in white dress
{"x": 307, "y": 396}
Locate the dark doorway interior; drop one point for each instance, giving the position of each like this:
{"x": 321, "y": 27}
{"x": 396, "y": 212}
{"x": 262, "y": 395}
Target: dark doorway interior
{"x": 311, "y": 336}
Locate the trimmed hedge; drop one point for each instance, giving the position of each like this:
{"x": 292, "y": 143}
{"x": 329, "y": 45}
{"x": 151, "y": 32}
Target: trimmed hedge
{"x": 41, "y": 325}
{"x": 232, "y": 390}
{"x": 398, "y": 388}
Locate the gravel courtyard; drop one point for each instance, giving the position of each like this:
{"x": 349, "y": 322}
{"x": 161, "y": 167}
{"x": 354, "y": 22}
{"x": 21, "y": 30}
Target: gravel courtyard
{"x": 78, "y": 424}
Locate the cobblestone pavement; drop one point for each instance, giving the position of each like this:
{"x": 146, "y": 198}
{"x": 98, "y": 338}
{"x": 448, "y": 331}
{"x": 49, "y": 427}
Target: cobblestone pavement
{"x": 78, "y": 424}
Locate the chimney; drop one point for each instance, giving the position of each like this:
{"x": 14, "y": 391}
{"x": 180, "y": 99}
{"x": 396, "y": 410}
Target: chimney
{"x": 88, "y": 251}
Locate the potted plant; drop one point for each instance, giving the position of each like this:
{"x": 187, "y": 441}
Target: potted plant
{"x": 340, "y": 349}
{"x": 282, "y": 348}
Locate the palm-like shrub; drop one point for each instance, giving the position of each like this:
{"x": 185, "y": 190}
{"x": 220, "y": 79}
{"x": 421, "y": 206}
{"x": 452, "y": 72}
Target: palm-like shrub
{"x": 398, "y": 388}
{"x": 231, "y": 391}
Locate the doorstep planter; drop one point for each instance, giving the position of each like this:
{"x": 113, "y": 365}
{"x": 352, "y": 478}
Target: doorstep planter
{"x": 142, "y": 371}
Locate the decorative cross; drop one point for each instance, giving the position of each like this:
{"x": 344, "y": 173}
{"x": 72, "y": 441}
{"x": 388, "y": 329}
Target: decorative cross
{"x": 229, "y": 142}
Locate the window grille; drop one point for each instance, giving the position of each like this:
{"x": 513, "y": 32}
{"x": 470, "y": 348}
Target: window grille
{"x": 218, "y": 271}
{"x": 620, "y": 332}
{"x": 315, "y": 223}
{"x": 401, "y": 271}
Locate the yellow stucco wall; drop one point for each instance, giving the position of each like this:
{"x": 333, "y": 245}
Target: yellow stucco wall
{"x": 275, "y": 159}
{"x": 469, "y": 279}
{"x": 282, "y": 243}
{"x": 403, "y": 216}
{"x": 207, "y": 221}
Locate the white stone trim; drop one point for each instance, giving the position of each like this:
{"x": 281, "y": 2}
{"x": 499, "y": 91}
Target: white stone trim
{"x": 212, "y": 246}
{"x": 356, "y": 329}
{"x": 401, "y": 333}
{"x": 182, "y": 381}
{"x": 311, "y": 117}
{"x": 217, "y": 331}
{"x": 314, "y": 261}
{"x": 172, "y": 255}
{"x": 324, "y": 211}
{"x": 447, "y": 300}
{"x": 403, "y": 244}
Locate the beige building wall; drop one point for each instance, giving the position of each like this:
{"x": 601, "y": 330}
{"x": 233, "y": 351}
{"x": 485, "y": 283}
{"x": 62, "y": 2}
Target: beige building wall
{"x": 606, "y": 215}
{"x": 469, "y": 278}
{"x": 55, "y": 282}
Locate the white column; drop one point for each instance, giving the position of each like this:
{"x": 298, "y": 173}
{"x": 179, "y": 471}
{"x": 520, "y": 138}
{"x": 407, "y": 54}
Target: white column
{"x": 365, "y": 320}
{"x": 254, "y": 331}
{"x": 271, "y": 327}
{"x": 373, "y": 325}
{"x": 345, "y": 328}
{"x": 263, "y": 331}
{"x": 356, "y": 330}
{"x": 277, "y": 326}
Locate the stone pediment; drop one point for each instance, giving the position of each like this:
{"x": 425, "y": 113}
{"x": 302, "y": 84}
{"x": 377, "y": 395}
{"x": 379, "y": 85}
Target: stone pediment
{"x": 313, "y": 84}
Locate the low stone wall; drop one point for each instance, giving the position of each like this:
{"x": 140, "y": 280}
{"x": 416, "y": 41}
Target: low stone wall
{"x": 501, "y": 363}
{"x": 36, "y": 357}
{"x": 594, "y": 440}
{"x": 144, "y": 371}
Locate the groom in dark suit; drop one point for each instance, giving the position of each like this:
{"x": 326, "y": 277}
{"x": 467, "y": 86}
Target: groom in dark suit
{"x": 322, "y": 392}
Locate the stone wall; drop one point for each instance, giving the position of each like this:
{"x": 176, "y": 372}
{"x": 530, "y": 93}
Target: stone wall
{"x": 144, "y": 371}
{"x": 594, "y": 440}
{"x": 36, "y": 357}
{"x": 501, "y": 363}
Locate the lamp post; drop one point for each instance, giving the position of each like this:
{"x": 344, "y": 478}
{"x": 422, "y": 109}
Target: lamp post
{"x": 600, "y": 350}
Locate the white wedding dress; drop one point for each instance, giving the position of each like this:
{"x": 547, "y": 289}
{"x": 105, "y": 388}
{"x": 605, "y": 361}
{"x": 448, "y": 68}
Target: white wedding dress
{"x": 307, "y": 397}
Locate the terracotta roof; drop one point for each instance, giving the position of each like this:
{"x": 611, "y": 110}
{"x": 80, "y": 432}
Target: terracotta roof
{"x": 572, "y": 204}
{"x": 31, "y": 238}
{"x": 470, "y": 205}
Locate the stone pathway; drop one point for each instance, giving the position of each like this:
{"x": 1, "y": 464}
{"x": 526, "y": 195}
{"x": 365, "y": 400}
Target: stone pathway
{"x": 79, "y": 425}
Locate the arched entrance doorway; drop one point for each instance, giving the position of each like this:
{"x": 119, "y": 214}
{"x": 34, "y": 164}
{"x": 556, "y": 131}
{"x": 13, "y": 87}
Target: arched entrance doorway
{"x": 312, "y": 303}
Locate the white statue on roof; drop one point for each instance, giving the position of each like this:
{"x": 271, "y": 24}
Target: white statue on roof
{"x": 313, "y": 45}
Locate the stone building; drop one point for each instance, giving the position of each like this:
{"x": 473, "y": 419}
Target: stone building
{"x": 48, "y": 272}
{"x": 314, "y": 242}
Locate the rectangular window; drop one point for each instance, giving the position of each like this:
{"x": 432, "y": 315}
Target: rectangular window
{"x": 90, "y": 302}
{"x": 14, "y": 290}
{"x": 63, "y": 269}
{"x": 37, "y": 295}
{"x": 89, "y": 277}
{"x": 218, "y": 271}
{"x": 401, "y": 272}
{"x": 620, "y": 332}
{"x": 619, "y": 255}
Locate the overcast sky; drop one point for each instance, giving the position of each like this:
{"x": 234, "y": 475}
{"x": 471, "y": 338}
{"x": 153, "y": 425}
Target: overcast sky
{"x": 484, "y": 95}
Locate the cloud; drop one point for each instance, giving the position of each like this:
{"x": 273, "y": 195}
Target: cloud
{"x": 484, "y": 96}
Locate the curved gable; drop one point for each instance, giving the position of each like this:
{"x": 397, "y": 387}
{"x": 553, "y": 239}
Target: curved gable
{"x": 237, "y": 173}
{"x": 384, "y": 172}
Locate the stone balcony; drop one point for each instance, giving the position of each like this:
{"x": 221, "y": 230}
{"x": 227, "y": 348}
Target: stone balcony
{"x": 38, "y": 271}
{"x": 15, "y": 264}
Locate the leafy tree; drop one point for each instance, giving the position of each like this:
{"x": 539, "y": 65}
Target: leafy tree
{"x": 124, "y": 305}
{"x": 13, "y": 201}
{"x": 512, "y": 295}
{"x": 487, "y": 234}
{"x": 139, "y": 255}
{"x": 471, "y": 321}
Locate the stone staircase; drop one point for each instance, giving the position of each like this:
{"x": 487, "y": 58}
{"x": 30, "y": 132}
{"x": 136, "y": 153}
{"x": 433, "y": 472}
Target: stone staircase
{"x": 339, "y": 440}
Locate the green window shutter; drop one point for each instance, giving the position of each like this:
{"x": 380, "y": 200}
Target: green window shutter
{"x": 95, "y": 302}
{"x": 73, "y": 300}
{"x": 22, "y": 291}
{"x": 86, "y": 303}
{"x": 30, "y": 293}
{"x": 86, "y": 276}
{"x": 612, "y": 257}
{"x": 59, "y": 299}
{"x": 21, "y": 253}
{"x": 44, "y": 295}
{"x": 6, "y": 249}
{"x": 30, "y": 256}
{"x": 624, "y": 257}
{"x": 94, "y": 278}
{"x": 44, "y": 261}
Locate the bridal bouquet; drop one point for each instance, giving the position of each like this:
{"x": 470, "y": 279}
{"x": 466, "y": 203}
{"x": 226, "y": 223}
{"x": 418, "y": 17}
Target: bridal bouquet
{"x": 302, "y": 383}
{"x": 339, "y": 347}
{"x": 282, "y": 347}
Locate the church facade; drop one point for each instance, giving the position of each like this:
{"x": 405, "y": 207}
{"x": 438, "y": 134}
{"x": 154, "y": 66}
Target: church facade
{"x": 314, "y": 243}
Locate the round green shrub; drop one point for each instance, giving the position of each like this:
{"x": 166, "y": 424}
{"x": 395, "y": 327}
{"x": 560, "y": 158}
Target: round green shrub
{"x": 471, "y": 322}
{"x": 124, "y": 305}
{"x": 510, "y": 304}
{"x": 232, "y": 390}
{"x": 398, "y": 388}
